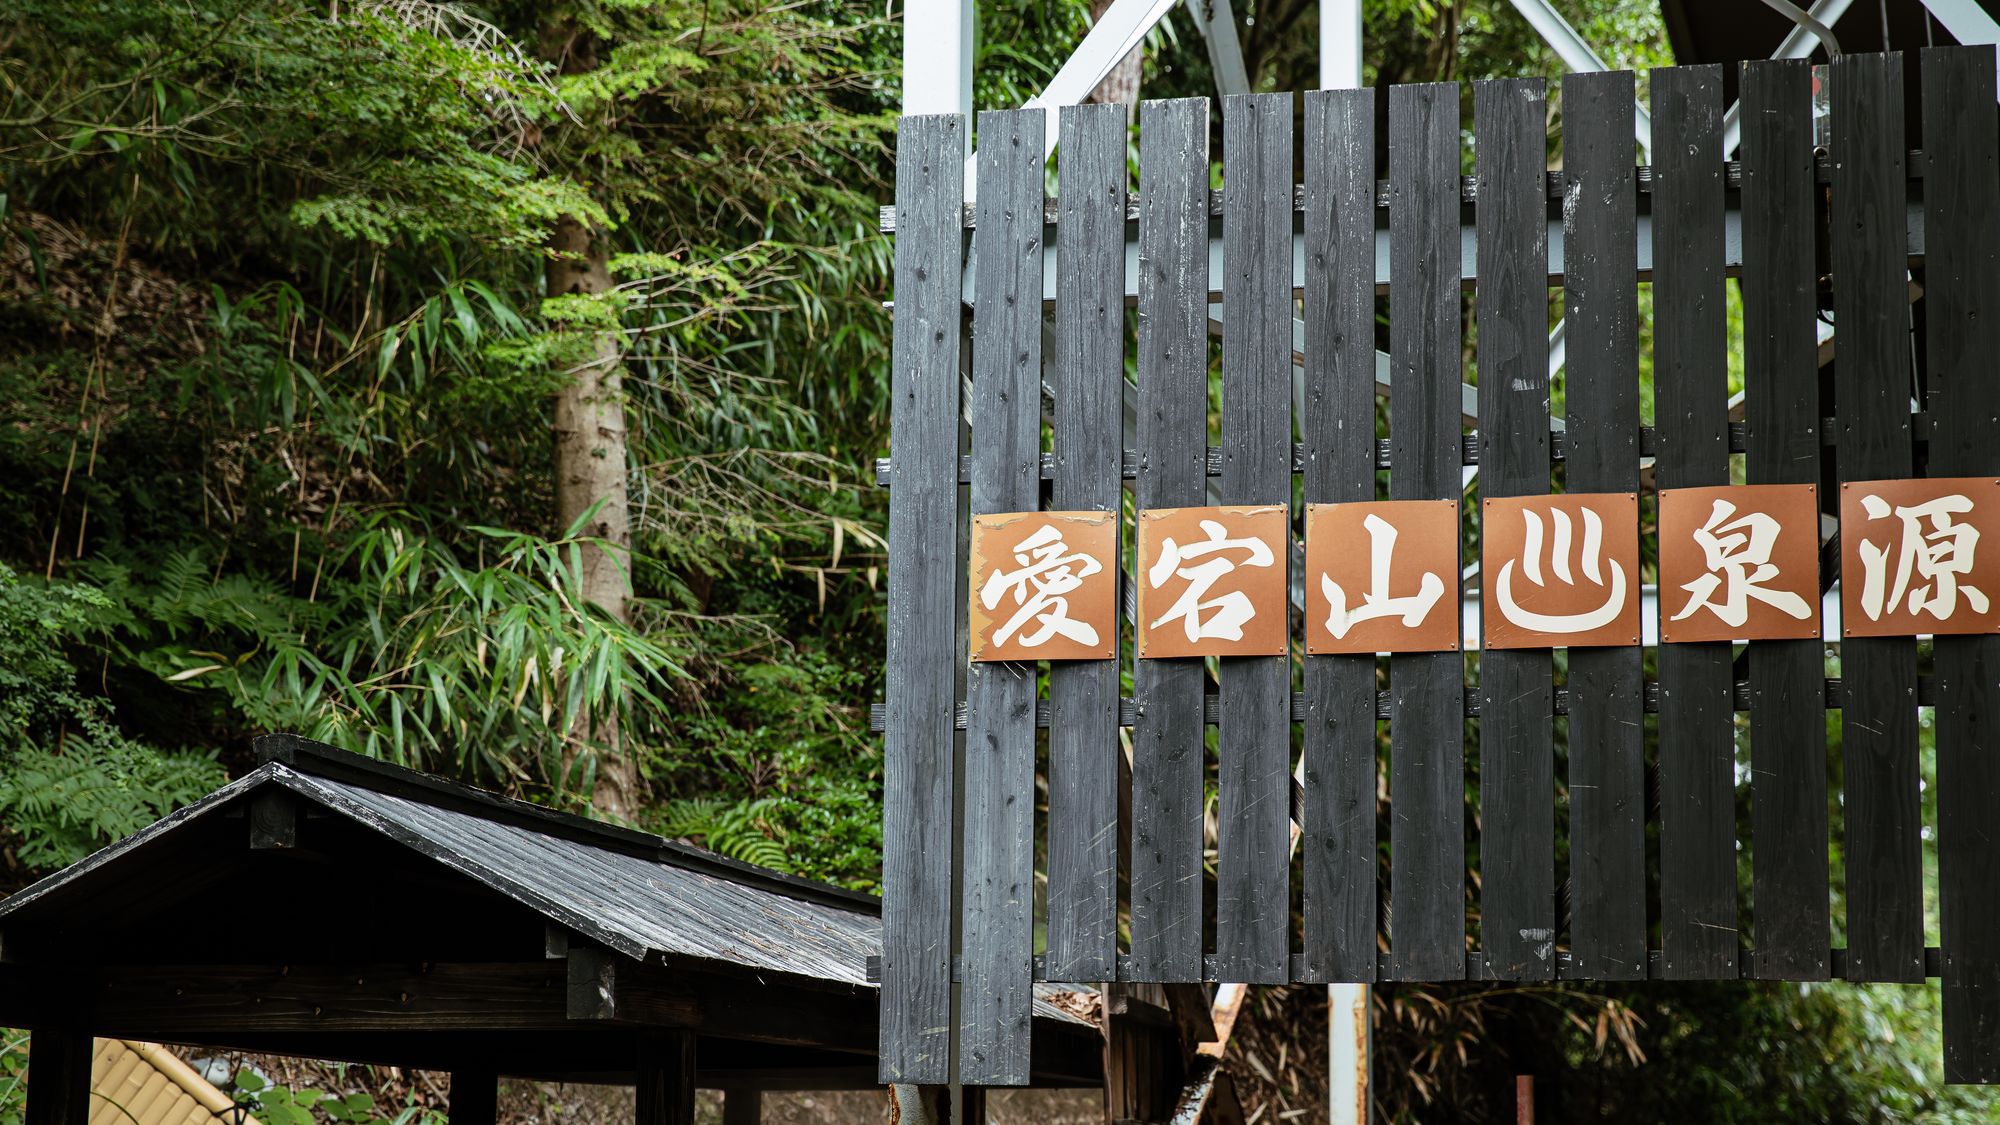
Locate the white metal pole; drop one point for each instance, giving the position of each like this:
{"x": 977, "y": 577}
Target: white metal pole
{"x": 937, "y": 57}
{"x": 1348, "y": 1066}
{"x": 1340, "y": 44}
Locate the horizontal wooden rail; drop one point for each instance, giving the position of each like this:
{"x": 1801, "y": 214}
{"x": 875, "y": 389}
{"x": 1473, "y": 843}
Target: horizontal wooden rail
{"x": 1920, "y": 425}
{"x": 1468, "y": 191}
{"x": 1127, "y": 708}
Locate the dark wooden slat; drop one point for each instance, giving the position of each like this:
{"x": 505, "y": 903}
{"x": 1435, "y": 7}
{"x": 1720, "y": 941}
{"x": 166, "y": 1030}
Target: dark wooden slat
{"x": 59, "y": 1077}
{"x": 664, "y": 1078}
{"x": 475, "y": 1097}
{"x": 1088, "y": 376}
{"x": 1830, "y": 695}
{"x": 996, "y": 999}
{"x": 1427, "y": 690}
{"x": 1962, "y": 297}
{"x": 1339, "y": 429}
{"x": 1732, "y": 174}
{"x": 1253, "y": 742}
{"x": 1698, "y": 931}
{"x": 1885, "y": 917}
{"x": 1788, "y": 828}
{"x": 922, "y": 634}
{"x": 1517, "y": 900}
{"x": 1920, "y": 425}
{"x": 1607, "y": 846}
{"x": 743, "y": 1106}
{"x": 1167, "y": 753}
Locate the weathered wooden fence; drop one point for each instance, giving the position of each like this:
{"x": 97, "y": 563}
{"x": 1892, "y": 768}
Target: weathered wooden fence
{"x": 1899, "y": 249}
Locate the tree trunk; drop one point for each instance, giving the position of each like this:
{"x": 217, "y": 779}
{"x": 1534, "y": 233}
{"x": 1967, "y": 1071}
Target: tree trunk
{"x": 591, "y": 473}
{"x": 1121, "y": 85}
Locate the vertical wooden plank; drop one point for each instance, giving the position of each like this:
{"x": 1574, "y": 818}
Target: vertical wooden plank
{"x": 58, "y": 1076}
{"x": 1607, "y": 773}
{"x": 1088, "y": 377}
{"x": 1962, "y": 327}
{"x": 1788, "y": 830}
{"x": 1698, "y": 934}
{"x": 1426, "y": 690}
{"x": 1253, "y": 735}
{"x": 997, "y": 919}
{"x": 1885, "y": 915}
{"x": 1517, "y": 902}
{"x": 922, "y": 656}
{"x": 1339, "y": 432}
{"x": 1167, "y": 753}
{"x": 664, "y": 1078}
{"x": 475, "y": 1097}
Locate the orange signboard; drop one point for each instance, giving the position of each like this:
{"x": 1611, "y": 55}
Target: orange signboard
{"x": 1560, "y": 571}
{"x": 1212, "y": 581}
{"x": 1919, "y": 556}
{"x": 1739, "y": 563}
{"x": 1382, "y": 577}
{"x": 1044, "y": 586}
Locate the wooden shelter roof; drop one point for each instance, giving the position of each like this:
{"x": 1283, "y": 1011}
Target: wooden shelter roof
{"x": 332, "y": 906}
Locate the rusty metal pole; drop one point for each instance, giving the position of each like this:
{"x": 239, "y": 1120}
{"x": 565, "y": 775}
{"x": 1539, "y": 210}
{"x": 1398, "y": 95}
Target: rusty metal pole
{"x": 1348, "y": 1100}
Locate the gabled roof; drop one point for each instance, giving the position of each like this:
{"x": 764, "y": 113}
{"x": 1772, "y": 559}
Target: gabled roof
{"x": 641, "y": 895}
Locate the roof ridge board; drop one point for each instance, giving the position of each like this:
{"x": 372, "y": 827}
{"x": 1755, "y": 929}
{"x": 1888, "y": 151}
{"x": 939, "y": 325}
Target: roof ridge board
{"x": 318, "y": 758}
{"x": 103, "y": 856}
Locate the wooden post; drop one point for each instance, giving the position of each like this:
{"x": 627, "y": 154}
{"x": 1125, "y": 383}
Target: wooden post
{"x": 58, "y": 1077}
{"x": 1524, "y": 1099}
{"x": 475, "y": 1097}
{"x": 742, "y": 1107}
{"x": 665, "y": 1078}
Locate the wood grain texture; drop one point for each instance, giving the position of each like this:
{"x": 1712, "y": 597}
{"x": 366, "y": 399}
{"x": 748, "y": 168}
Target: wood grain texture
{"x": 1427, "y": 690}
{"x": 1253, "y": 736}
{"x": 1088, "y": 376}
{"x": 922, "y": 630}
{"x": 997, "y": 914}
{"x": 1607, "y": 845}
{"x": 1517, "y": 901}
{"x": 1881, "y": 813}
{"x": 664, "y": 1078}
{"x": 1698, "y": 931}
{"x": 1167, "y": 736}
{"x": 1338, "y": 426}
{"x": 1788, "y": 821}
{"x": 1962, "y": 334}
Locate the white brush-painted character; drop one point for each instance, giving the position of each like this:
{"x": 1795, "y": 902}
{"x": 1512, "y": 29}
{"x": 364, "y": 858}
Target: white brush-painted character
{"x": 1737, "y": 553}
{"x": 1227, "y": 613}
{"x": 1050, "y": 571}
{"x": 1931, "y": 556}
{"x": 1375, "y": 601}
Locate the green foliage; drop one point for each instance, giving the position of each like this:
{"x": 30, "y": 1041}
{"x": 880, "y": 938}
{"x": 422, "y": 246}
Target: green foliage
{"x": 70, "y": 781}
{"x": 283, "y": 1105}
{"x": 13, "y": 1076}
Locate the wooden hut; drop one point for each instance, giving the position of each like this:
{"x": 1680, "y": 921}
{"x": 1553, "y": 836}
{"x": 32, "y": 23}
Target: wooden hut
{"x": 333, "y": 907}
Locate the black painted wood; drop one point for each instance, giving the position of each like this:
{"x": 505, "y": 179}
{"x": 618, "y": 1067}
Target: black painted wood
{"x": 1698, "y": 932}
{"x": 1088, "y": 376}
{"x": 1253, "y": 737}
{"x": 997, "y": 938}
{"x": 664, "y": 1078}
{"x": 475, "y": 1097}
{"x": 1885, "y": 917}
{"x": 1607, "y": 841}
{"x": 274, "y": 820}
{"x": 1338, "y": 426}
{"x": 1427, "y": 690}
{"x": 1962, "y": 337}
{"x": 1167, "y": 736}
{"x": 923, "y": 634}
{"x": 1788, "y": 825}
{"x": 58, "y": 1077}
{"x": 1517, "y": 900}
